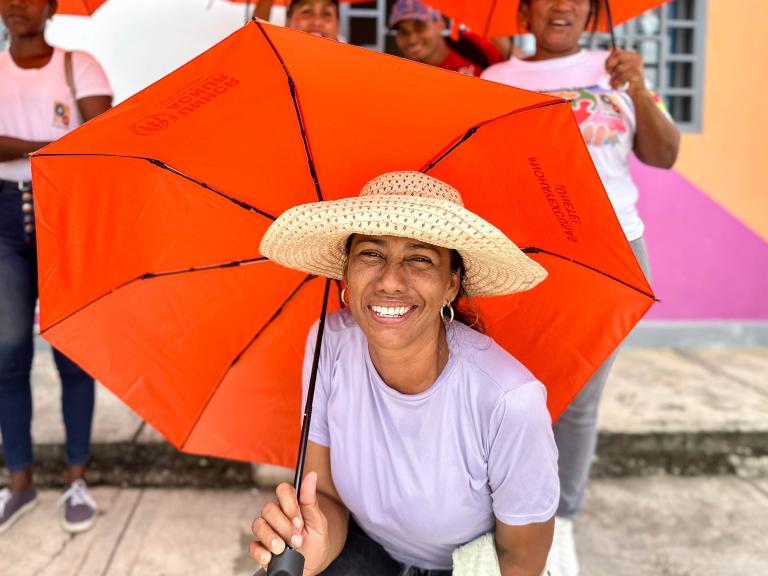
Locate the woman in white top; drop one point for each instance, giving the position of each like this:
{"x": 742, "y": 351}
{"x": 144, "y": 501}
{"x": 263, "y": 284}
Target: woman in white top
{"x": 618, "y": 115}
{"x": 44, "y": 93}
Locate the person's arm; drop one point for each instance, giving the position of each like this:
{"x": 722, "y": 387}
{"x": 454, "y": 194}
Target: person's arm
{"x": 522, "y": 550}
{"x": 657, "y": 140}
{"x": 263, "y": 8}
{"x": 16, "y": 148}
{"x": 315, "y": 524}
{"x": 503, "y": 45}
{"x": 92, "y": 106}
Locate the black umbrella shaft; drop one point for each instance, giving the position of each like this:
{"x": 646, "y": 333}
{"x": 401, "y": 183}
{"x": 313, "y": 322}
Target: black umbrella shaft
{"x": 311, "y": 392}
{"x": 609, "y": 17}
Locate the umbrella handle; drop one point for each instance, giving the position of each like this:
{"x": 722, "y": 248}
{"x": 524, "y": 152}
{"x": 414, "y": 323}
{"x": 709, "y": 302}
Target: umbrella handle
{"x": 289, "y": 563}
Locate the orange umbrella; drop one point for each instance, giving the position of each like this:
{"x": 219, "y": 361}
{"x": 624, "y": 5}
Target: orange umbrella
{"x": 78, "y": 7}
{"x": 149, "y": 220}
{"x": 287, "y": 2}
{"x": 500, "y": 17}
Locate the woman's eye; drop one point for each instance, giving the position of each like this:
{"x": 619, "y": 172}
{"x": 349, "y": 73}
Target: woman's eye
{"x": 421, "y": 260}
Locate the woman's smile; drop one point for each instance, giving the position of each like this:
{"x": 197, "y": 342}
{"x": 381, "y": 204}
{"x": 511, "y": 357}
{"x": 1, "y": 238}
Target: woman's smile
{"x": 391, "y": 314}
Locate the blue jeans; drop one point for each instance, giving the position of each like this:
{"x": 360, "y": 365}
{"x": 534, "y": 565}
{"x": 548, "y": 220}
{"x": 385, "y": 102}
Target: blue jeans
{"x": 362, "y": 555}
{"x": 18, "y": 294}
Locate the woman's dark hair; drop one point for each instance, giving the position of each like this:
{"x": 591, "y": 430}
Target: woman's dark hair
{"x": 464, "y": 308}
{"x": 592, "y": 19}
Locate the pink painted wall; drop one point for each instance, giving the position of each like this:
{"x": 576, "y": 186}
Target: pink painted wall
{"x": 707, "y": 219}
{"x": 706, "y": 264}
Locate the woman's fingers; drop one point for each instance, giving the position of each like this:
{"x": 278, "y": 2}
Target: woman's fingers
{"x": 266, "y": 536}
{"x": 260, "y": 554}
{"x": 286, "y": 496}
{"x": 282, "y": 525}
{"x": 310, "y": 507}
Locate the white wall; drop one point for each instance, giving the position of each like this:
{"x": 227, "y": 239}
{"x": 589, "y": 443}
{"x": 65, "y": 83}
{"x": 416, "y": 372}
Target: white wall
{"x": 140, "y": 41}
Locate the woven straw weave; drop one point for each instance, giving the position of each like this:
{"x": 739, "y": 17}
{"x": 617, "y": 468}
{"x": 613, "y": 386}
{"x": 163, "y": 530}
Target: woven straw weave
{"x": 311, "y": 237}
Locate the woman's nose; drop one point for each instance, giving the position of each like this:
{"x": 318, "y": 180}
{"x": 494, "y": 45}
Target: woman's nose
{"x": 393, "y": 277}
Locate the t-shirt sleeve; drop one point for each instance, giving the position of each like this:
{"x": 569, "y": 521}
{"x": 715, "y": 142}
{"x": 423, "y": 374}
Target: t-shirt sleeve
{"x": 89, "y": 76}
{"x": 661, "y": 105}
{"x": 318, "y": 426}
{"x": 522, "y": 457}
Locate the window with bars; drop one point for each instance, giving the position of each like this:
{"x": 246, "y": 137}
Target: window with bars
{"x": 671, "y": 41}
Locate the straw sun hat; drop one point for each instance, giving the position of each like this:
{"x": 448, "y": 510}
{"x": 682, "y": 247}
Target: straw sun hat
{"x": 312, "y": 237}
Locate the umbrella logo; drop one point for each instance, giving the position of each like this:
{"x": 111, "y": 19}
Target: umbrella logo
{"x": 153, "y": 124}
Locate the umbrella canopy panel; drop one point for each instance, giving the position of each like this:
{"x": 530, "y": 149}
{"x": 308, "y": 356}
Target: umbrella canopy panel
{"x": 149, "y": 220}
{"x": 78, "y": 7}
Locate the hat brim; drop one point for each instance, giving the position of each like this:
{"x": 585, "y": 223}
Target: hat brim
{"x": 312, "y": 238}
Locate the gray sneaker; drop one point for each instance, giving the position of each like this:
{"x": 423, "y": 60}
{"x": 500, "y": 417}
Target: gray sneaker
{"x": 13, "y": 505}
{"x": 79, "y": 508}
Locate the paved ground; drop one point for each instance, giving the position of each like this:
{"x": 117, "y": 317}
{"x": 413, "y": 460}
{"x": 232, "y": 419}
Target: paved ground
{"x": 684, "y": 411}
{"x": 676, "y": 410}
{"x": 630, "y": 527}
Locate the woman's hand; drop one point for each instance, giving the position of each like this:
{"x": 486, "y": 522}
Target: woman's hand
{"x": 626, "y": 68}
{"x": 298, "y": 523}
{"x": 657, "y": 140}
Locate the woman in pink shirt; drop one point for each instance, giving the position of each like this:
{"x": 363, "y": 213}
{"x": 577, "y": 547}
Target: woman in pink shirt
{"x": 618, "y": 116}
{"x": 45, "y": 92}
{"x": 425, "y": 434}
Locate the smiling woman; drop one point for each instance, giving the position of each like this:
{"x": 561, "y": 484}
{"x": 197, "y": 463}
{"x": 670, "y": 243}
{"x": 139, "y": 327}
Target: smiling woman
{"x": 415, "y": 413}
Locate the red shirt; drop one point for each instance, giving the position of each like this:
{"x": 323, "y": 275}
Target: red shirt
{"x": 460, "y": 63}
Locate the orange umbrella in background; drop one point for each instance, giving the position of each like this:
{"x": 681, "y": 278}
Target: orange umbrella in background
{"x": 500, "y": 17}
{"x": 78, "y": 7}
{"x": 149, "y": 220}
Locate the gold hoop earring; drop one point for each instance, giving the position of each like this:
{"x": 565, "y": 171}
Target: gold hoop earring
{"x": 450, "y": 317}
{"x": 343, "y": 296}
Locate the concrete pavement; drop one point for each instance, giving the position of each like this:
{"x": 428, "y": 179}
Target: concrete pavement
{"x": 697, "y": 414}
{"x": 676, "y": 410}
{"x": 663, "y": 525}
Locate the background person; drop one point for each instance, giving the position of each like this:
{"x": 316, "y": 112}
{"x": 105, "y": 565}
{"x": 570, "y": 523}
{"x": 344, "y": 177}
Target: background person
{"x": 420, "y": 36}
{"x": 425, "y": 433}
{"x": 319, "y": 17}
{"x": 37, "y": 106}
{"x": 618, "y": 115}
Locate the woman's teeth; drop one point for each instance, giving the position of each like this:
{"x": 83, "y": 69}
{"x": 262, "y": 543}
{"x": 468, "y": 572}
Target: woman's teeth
{"x": 390, "y": 312}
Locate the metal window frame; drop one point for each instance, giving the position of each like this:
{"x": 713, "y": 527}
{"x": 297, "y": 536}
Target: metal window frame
{"x": 627, "y": 35}
{"x": 347, "y": 12}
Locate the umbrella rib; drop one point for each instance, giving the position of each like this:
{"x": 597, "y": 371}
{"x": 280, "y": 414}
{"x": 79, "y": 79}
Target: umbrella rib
{"x": 473, "y": 130}
{"x": 534, "y": 250}
{"x": 235, "y": 201}
{"x": 237, "y": 358}
{"x": 149, "y": 276}
{"x": 488, "y": 20}
{"x": 299, "y": 115}
{"x": 171, "y": 169}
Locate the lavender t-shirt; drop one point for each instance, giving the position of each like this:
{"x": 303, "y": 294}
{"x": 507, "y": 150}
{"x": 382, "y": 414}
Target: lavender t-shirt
{"x": 424, "y": 473}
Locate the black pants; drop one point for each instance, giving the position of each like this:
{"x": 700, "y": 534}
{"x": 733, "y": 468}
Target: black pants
{"x": 362, "y": 556}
